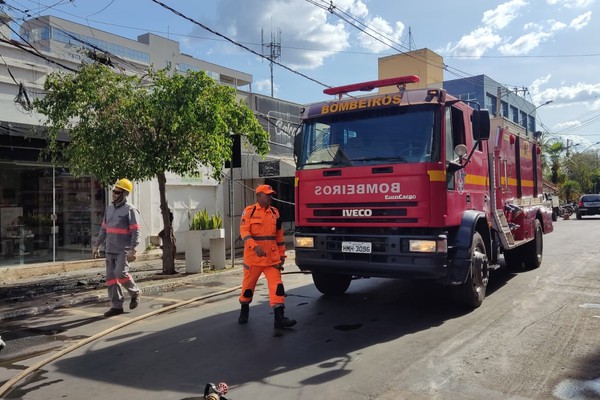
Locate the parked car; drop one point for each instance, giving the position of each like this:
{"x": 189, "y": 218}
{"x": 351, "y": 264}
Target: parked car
{"x": 588, "y": 204}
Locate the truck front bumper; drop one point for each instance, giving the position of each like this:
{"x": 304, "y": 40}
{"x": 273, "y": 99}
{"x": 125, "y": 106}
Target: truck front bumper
{"x": 391, "y": 256}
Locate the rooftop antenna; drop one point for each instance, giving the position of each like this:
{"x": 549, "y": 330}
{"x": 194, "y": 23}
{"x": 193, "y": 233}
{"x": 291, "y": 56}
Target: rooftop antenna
{"x": 273, "y": 52}
{"x": 411, "y": 40}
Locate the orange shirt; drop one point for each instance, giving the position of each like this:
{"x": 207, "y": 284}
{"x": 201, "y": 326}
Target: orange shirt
{"x": 262, "y": 226}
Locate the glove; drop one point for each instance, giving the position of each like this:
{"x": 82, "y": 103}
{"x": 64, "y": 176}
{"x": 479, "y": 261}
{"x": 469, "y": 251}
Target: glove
{"x": 281, "y": 261}
{"x": 259, "y": 251}
{"x": 131, "y": 255}
{"x": 95, "y": 251}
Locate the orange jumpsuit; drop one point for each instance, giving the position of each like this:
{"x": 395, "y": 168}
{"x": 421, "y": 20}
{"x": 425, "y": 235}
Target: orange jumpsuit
{"x": 262, "y": 226}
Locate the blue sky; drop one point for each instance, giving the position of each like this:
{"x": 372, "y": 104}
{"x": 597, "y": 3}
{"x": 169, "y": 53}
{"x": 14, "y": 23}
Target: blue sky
{"x": 551, "y": 48}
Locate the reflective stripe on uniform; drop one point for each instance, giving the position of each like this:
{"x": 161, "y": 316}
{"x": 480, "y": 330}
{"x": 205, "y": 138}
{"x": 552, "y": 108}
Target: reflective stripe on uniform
{"x": 118, "y": 280}
{"x": 263, "y": 237}
{"x": 118, "y": 231}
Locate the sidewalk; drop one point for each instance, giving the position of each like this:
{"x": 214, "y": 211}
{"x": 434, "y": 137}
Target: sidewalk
{"x": 40, "y": 288}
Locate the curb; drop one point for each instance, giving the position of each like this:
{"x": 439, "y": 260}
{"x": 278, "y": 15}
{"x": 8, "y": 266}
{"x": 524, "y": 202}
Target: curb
{"x": 101, "y": 295}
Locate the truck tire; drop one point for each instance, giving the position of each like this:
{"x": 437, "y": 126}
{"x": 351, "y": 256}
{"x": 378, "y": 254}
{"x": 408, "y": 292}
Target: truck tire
{"x": 331, "y": 284}
{"x": 472, "y": 292}
{"x": 534, "y": 249}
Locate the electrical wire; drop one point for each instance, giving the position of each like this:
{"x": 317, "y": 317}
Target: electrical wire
{"x": 238, "y": 44}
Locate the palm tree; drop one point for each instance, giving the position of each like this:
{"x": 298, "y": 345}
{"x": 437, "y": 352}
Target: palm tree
{"x": 552, "y": 150}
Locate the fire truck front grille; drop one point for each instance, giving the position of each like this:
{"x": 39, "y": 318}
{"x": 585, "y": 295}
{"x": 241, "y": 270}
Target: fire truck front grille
{"x": 395, "y": 212}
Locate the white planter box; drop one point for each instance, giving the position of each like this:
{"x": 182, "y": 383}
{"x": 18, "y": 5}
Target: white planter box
{"x": 195, "y": 241}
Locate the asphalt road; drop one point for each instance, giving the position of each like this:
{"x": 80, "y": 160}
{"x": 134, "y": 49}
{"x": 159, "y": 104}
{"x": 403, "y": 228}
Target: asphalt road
{"x": 534, "y": 337}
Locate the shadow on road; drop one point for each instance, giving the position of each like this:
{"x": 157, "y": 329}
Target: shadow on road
{"x": 332, "y": 331}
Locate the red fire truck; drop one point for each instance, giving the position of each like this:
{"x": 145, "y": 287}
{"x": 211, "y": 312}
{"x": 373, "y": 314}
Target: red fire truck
{"x": 415, "y": 184}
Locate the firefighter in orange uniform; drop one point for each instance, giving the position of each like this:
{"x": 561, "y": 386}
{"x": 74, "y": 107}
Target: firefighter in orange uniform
{"x": 264, "y": 253}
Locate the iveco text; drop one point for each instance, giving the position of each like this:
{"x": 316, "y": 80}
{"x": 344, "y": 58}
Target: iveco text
{"x": 357, "y": 213}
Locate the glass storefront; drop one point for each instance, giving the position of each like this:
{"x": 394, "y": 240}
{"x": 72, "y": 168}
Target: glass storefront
{"x": 47, "y": 214}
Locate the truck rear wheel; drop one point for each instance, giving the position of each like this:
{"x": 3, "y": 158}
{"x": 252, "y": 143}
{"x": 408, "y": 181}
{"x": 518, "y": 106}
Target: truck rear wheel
{"x": 534, "y": 249}
{"x": 472, "y": 292}
{"x": 331, "y": 284}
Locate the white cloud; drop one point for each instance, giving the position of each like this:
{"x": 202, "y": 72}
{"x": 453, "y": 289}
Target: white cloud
{"x": 571, "y": 3}
{"x": 581, "y": 21}
{"x": 567, "y": 94}
{"x": 379, "y": 25}
{"x": 502, "y": 15}
{"x": 475, "y": 43}
{"x": 263, "y": 86}
{"x": 308, "y": 34}
{"x": 524, "y": 44}
{"x": 556, "y": 26}
{"x": 567, "y": 124}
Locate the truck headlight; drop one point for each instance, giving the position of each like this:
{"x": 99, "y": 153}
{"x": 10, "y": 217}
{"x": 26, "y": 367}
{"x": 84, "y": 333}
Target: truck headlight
{"x": 304, "y": 241}
{"x": 428, "y": 246}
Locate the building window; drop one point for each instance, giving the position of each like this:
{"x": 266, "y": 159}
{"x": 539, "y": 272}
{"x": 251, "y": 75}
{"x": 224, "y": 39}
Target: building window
{"x": 514, "y": 114}
{"x": 29, "y": 195}
{"x": 490, "y": 103}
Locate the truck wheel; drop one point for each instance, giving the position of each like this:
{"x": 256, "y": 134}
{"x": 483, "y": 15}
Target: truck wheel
{"x": 514, "y": 259}
{"x": 472, "y": 292}
{"x": 534, "y": 249}
{"x": 331, "y": 284}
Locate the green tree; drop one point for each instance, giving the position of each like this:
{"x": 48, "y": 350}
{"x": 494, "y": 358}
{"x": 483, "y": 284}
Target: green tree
{"x": 570, "y": 188}
{"x": 142, "y": 127}
{"x": 551, "y": 152}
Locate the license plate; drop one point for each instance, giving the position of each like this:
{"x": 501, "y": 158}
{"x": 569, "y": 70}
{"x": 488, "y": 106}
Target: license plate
{"x": 356, "y": 247}
{"x": 592, "y": 204}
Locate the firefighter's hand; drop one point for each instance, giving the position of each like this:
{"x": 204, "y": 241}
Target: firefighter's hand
{"x": 131, "y": 255}
{"x": 259, "y": 251}
{"x": 281, "y": 262}
{"x": 95, "y": 251}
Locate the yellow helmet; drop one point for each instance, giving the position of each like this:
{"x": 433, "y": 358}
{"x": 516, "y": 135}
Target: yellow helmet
{"x": 124, "y": 184}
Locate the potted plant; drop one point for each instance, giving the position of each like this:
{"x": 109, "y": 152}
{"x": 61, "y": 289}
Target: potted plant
{"x": 206, "y": 232}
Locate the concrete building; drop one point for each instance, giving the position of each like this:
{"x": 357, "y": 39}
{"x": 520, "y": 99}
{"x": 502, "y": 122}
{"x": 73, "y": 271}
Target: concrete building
{"x": 48, "y": 215}
{"x": 492, "y": 95}
{"x": 424, "y": 63}
{"x": 480, "y": 89}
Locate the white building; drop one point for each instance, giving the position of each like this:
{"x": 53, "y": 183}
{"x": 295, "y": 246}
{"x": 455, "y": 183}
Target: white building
{"x": 32, "y": 191}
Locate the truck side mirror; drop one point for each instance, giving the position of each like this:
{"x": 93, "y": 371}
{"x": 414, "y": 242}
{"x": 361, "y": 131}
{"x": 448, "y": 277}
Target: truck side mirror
{"x": 480, "y": 122}
{"x": 297, "y": 144}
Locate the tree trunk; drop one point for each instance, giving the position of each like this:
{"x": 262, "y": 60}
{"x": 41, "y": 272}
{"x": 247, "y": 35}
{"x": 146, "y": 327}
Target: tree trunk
{"x": 168, "y": 237}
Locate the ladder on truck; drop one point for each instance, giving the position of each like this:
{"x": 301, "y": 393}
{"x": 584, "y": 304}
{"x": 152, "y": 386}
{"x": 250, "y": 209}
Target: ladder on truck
{"x": 500, "y": 224}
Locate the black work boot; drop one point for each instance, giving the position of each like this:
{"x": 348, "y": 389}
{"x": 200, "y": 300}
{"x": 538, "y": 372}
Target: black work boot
{"x": 281, "y": 321}
{"x": 244, "y": 313}
{"x": 113, "y": 311}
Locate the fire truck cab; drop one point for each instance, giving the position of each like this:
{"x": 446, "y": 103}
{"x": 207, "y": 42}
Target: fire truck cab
{"x": 415, "y": 184}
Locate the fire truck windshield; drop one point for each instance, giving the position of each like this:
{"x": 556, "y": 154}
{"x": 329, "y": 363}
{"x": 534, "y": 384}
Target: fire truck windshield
{"x": 408, "y": 134}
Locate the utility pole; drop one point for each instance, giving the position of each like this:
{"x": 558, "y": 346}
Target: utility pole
{"x": 274, "y": 50}
{"x": 570, "y": 145}
{"x": 505, "y": 91}
{"x": 568, "y": 189}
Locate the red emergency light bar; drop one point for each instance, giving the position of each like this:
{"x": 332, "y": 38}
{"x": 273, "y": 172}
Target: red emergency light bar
{"x": 370, "y": 85}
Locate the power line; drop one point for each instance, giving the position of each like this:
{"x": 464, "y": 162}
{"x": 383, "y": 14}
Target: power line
{"x": 237, "y": 43}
